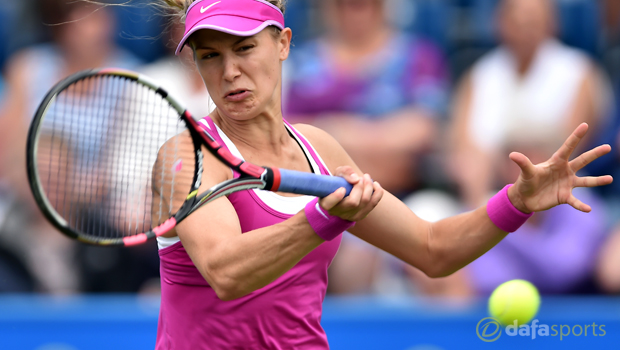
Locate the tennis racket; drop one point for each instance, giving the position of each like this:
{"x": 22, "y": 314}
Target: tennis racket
{"x": 113, "y": 159}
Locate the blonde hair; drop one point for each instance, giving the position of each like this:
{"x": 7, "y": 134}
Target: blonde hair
{"x": 179, "y": 7}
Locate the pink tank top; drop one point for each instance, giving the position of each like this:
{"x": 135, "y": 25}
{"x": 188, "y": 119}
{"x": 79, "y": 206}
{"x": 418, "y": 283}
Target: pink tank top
{"x": 285, "y": 314}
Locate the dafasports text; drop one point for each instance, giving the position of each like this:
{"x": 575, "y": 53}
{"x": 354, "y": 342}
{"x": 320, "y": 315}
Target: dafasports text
{"x": 490, "y": 330}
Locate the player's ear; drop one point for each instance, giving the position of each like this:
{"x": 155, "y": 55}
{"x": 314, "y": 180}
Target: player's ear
{"x": 285, "y": 43}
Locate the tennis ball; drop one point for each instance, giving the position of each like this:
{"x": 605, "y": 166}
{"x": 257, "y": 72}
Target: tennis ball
{"x": 514, "y": 300}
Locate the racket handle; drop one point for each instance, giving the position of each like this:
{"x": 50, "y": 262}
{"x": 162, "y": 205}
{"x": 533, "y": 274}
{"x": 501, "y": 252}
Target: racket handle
{"x": 298, "y": 182}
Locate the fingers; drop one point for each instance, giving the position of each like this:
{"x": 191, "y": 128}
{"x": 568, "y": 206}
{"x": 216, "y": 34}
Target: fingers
{"x": 372, "y": 194}
{"x": 527, "y": 168}
{"x": 579, "y": 205}
{"x": 364, "y": 196}
{"x": 593, "y": 181}
{"x": 360, "y": 194}
{"x": 589, "y": 156}
{"x": 348, "y": 173}
{"x": 333, "y": 199}
{"x": 571, "y": 143}
{"x": 368, "y": 190}
{"x": 376, "y": 195}
{"x": 353, "y": 199}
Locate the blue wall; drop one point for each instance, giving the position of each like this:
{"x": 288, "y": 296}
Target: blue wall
{"x": 127, "y": 322}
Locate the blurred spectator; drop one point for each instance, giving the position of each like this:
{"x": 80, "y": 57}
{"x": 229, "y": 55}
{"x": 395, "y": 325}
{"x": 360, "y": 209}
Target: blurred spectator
{"x": 608, "y": 268}
{"x": 82, "y": 38}
{"x": 381, "y": 93}
{"x": 611, "y": 37}
{"x": 532, "y": 84}
{"x": 179, "y": 76}
{"x": 14, "y": 276}
{"x": 611, "y": 20}
{"x": 526, "y": 96}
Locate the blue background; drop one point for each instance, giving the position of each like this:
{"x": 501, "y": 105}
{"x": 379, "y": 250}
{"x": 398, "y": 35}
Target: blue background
{"x": 130, "y": 322}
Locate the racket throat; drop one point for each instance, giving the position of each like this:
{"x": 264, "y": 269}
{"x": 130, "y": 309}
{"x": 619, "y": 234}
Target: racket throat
{"x": 187, "y": 207}
{"x": 271, "y": 177}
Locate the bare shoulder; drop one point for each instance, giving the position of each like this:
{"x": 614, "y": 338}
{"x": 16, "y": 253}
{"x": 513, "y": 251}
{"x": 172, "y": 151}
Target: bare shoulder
{"x": 326, "y": 145}
{"x": 318, "y": 138}
{"x": 179, "y": 155}
{"x": 175, "y": 168}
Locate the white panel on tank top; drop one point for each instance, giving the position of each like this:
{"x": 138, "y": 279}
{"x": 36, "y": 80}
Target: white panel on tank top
{"x": 285, "y": 205}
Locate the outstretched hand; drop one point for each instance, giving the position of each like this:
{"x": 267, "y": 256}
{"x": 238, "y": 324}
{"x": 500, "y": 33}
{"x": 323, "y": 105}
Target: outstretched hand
{"x": 545, "y": 185}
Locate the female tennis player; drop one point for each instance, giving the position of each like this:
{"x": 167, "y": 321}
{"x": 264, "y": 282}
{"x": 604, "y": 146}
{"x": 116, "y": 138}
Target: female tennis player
{"x": 249, "y": 271}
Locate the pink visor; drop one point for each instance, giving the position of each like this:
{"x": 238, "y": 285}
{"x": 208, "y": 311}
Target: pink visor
{"x": 236, "y": 17}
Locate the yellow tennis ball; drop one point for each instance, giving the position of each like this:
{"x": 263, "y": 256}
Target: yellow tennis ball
{"x": 514, "y": 300}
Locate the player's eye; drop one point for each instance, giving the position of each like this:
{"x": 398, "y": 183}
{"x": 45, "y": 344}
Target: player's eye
{"x": 246, "y": 48}
{"x": 207, "y": 55}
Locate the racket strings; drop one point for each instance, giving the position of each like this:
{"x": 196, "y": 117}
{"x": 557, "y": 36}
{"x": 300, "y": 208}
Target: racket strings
{"x": 97, "y": 150}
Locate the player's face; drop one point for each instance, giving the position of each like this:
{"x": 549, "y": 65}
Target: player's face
{"x": 242, "y": 74}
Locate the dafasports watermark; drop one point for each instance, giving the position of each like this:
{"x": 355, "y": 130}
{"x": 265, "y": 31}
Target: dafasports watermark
{"x": 489, "y": 330}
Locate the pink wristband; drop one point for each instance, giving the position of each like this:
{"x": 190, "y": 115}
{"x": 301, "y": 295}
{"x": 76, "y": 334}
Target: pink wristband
{"x": 324, "y": 225}
{"x": 503, "y": 214}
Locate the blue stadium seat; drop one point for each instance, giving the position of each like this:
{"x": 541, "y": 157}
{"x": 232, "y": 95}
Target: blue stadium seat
{"x": 141, "y": 26}
{"x": 297, "y": 17}
{"x": 432, "y": 20}
{"x": 483, "y": 21}
{"x": 579, "y": 22}
{"x": 140, "y": 30}
{"x": 5, "y": 25}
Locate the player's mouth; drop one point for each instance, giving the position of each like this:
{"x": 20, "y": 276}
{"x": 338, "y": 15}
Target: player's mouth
{"x": 237, "y": 95}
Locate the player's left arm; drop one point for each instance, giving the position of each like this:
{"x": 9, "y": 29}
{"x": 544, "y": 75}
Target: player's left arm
{"x": 441, "y": 248}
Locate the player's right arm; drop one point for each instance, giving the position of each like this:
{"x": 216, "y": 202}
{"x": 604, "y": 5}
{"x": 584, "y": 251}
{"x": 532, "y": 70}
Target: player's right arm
{"x": 235, "y": 264}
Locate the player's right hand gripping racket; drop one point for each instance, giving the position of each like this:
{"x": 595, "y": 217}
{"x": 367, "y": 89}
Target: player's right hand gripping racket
{"x": 113, "y": 159}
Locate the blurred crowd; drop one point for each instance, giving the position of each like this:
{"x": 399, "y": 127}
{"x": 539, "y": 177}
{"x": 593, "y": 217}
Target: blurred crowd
{"x": 428, "y": 96}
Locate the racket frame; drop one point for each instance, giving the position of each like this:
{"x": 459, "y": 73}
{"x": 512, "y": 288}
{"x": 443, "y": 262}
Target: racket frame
{"x": 251, "y": 175}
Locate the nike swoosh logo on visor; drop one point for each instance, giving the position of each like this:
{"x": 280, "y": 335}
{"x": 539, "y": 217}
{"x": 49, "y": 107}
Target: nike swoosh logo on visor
{"x": 204, "y": 9}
